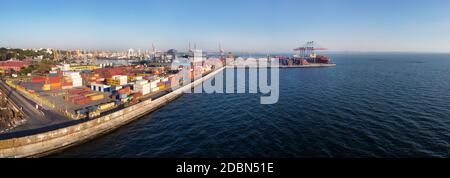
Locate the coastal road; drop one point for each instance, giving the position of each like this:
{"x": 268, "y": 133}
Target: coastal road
{"x": 34, "y": 117}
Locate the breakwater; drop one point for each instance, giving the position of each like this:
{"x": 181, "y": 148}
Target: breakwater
{"x": 46, "y": 143}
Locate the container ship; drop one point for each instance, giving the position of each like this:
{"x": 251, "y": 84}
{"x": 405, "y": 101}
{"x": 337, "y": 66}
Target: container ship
{"x": 305, "y": 55}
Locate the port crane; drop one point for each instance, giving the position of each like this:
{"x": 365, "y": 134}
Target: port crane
{"x": 307, "y": 51}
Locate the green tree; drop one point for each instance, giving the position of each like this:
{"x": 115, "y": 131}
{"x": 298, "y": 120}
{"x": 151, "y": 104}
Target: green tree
{"x": 44, "y": 66}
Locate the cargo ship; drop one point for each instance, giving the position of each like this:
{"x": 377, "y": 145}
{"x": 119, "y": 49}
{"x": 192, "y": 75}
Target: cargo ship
{"x": 305, "y": 55}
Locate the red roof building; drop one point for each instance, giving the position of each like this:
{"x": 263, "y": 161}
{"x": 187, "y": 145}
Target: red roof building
{"x": 14, "y": 65}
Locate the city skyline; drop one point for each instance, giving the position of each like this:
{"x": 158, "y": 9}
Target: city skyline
{"x": 242, "y": 26}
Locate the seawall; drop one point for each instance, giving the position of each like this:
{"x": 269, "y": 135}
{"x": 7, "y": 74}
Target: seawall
{"x": 46, "y": 143}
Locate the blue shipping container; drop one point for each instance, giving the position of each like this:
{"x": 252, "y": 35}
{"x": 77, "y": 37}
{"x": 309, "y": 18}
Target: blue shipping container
{"x": 92, "y": 108}
{"x": 106, "y": 89}
{"x": 123, "y": 96}
{"x": 82, "y": 111}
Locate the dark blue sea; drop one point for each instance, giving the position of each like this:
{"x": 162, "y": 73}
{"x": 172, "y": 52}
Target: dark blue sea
{"x": 370, "y": 105}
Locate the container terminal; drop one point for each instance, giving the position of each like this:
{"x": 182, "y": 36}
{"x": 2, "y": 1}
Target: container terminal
{"x": 61, "y": 93}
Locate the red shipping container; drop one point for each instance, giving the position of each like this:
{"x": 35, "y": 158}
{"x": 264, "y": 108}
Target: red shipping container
{"x": 54, "y": 79}
{"x": 125, "y": 91}
{"x": 75, "y": 98}
{"x": 77, "y": 91}
{"x": 82, "y": 101}
{"x": 137, "y": 95}
{"x": 38, "y": 80}
{"x": 67, "y": 84}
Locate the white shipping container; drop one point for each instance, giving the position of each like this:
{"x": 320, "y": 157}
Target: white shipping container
{"x": 155, "y": 89}
{"x": 141, "y": 82}
{"x": 145, "y": 91}
{"x": 123, "y": 79}
{"x": 154, "y": 84}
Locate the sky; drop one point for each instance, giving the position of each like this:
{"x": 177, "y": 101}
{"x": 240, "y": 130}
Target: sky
{"x": 238, "y": 25}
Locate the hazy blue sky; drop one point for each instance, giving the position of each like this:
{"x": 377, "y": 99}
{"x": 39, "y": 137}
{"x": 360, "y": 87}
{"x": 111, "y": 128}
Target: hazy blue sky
{"x": 240, "y": 25}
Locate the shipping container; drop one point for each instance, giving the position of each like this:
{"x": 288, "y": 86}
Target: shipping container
{"x": 76, "y": 91}
{"x": 115, "y": 88}
{"x": 56, "y": 79}
{"x": 122, "y": 96}
{"x": 46, "y": 87}
{"x": 92, "y": 108}
{"x": 155, "y": 89}
{"x": 89, "y": 94}
{"x": 38, "y": 80}
{"x": 82, "y": 101}
{"x": 73, "y": 99}
{"x": 53, "y": 74}
{"x": 82, "y": 111}
{"x": 97, "y": 97}
{"x": 137, "y": 95}
{"x": 67, "y": 87}
{"x": 67, "y": 84}
{"x": 106, "y": 106}
{"x": 126, "y": 90}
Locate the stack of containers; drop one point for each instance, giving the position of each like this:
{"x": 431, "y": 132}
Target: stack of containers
{"x": 96, "y": 97}
{"x": 46, "y": 87}
{"x": 67, "y": 85}
{"x": 91, "y": 78}
{"x": 123, "y": 79}
{"x": 38, "y": 80}
{"x": 77, "y": 91}
{"x": 100, "y": 87}
{"x": 136, "y": 96}
{"x": 115, "y": 88}
{"x": 154, "y": 86}
{"x": 123, "y": 97}
{"x": 106, "y": 106}
{"x": 75, "y": 78}
{"x": 113, "y": 82}
{"x": 54, "y": 81}
{"x": 142, "y": 86}
{"x": 125, "y": 90}
{"x": 173, "y": 82}
{"x": 138, "y": 78}
{"x": 81, "y": 100}
{"x": 151, "y": 77}
{"x": 123, "y": 94}
{"x": 165, "y": 83}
